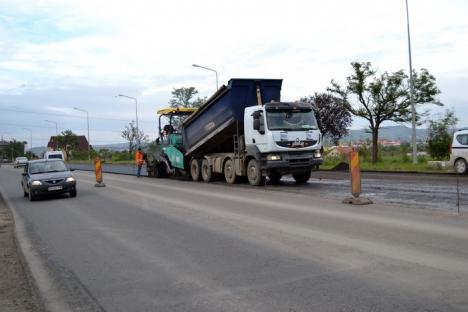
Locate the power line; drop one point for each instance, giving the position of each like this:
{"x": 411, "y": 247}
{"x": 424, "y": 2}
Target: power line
{"x": 69, "y": 115}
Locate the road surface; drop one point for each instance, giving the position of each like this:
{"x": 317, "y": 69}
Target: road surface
{"x": 168, "y": 245}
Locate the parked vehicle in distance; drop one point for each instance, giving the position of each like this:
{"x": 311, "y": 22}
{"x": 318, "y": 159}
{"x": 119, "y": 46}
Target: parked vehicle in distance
{"x": 47, "y": 176}
{"x": 54, "y": 155}
{"x": 459, "y": 151}
{"x": 20, "y": 162}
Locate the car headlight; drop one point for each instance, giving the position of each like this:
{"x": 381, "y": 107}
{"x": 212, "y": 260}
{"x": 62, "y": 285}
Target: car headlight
{"x": 70, "y": 179}
{"x": 317, "y": 154}
{"x": 36, "y": 183}
{"x": 273, "y": 157}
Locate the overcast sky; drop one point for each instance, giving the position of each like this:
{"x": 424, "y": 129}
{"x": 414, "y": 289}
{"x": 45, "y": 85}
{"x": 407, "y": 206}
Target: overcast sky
{"x": 56, "y": 55}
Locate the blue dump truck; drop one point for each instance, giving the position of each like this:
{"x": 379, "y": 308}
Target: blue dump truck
{"x": 243, "y": 130}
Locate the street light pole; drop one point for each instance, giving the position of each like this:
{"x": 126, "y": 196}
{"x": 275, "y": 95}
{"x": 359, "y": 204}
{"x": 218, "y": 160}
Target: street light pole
{"x": 87, "y": 122}
{"x": 56, "y": 131}
{"x": 199, "y": 66}
{"x": 136, "y": 115}
{"x": 413, "y": 108}
{"x": 30, "y": 148}
{"x": 56, "y": 126}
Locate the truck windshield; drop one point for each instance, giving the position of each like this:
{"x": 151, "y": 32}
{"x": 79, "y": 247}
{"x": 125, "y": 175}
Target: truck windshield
{"x": 291, "y": 120}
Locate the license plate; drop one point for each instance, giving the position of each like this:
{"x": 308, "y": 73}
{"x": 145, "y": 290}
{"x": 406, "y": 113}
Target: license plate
{"x": 55, "y": 188}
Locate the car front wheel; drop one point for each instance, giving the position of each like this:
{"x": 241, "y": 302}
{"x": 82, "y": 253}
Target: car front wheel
{"x": 31, "y": 196}
{"x": 73, "y": 193}
{"x": 460, "y": 166}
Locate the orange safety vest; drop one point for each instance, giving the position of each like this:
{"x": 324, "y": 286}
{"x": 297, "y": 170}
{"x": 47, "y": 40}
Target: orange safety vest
{"x": 139, "y": 158}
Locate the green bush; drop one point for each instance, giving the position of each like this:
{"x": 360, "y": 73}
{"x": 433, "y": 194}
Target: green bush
{"x": 122, "y": 156}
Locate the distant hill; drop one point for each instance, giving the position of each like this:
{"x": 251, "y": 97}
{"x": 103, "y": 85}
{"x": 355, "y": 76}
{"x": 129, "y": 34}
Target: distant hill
{"x": 392, "y": 133}
{"x": 112, "y": 147}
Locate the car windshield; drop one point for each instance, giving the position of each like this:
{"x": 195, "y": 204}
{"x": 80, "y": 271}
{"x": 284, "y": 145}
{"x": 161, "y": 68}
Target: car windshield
{"x": 59, "y": 156}
{"x": 47, "y": 166}
{"x": 21, "y": 158}
{"x": 291, "y": 120}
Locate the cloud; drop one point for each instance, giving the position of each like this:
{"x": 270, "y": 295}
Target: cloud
{"x": 146, "y": 48}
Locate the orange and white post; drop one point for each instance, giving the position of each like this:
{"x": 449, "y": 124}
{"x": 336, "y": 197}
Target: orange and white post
{"x": 355, "y": 173}
{"x": 98, "y": 172}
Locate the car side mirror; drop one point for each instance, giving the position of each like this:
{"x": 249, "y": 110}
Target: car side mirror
{"x": 72, "y": 169}
{"x": 23, "y": 174}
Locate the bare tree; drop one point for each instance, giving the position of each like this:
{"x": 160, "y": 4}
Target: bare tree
{"x": 133, "y": 136}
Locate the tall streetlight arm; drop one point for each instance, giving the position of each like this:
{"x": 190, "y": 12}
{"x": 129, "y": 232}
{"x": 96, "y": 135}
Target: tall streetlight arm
{"x": 136, "y": 114}
{"x": 207, "y": 68}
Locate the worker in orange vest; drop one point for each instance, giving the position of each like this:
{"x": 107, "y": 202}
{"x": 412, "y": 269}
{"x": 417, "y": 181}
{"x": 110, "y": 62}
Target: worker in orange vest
{"x": 139, "y": 160}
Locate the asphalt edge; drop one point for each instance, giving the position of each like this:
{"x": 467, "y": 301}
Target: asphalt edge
{"x": 42, "y": 284}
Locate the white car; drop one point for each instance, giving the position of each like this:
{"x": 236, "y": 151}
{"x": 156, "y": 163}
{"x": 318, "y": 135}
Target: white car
{"x": 459, "y": 151}
{"x": 20, "y": 162}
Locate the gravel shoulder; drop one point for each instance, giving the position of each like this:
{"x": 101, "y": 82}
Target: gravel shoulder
{"x": 16, "y": 291}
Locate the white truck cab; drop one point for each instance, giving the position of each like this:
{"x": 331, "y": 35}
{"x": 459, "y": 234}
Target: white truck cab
{"x": 54, "y": 155}
{"x": 459, "y": 151}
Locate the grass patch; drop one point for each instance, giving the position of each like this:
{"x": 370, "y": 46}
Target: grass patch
{"x": 388, "y": 163}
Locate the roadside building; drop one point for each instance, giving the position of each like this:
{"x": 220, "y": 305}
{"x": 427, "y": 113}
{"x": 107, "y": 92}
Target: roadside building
{"x": 81, "y": 146}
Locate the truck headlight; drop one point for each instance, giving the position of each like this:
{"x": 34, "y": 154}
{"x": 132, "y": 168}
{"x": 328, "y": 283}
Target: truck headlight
{"x": 317, "y": 154}
{"x": 36, "y": 183}
{"x": 273, "y": 157}
{"x": 70, "y": 179}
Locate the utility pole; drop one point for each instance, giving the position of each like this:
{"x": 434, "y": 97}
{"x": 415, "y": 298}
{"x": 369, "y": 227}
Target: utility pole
{"x": 413, "y": 108}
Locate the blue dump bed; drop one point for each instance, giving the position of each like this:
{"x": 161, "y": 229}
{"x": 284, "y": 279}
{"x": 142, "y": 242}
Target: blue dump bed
{"x": 212, "y": 127}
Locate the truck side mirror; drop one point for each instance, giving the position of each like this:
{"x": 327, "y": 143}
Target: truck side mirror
{"x": 256, "y": 124}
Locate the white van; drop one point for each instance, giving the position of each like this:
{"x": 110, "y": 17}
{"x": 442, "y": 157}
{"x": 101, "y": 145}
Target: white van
{"x": 459, "y": 151}
{"x": 54, "y": 155}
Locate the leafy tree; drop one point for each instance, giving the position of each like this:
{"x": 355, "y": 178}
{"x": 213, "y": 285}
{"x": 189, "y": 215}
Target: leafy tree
{"x": 133, "y": 136}
{"x": 182, "y": 97}
{"x": 439, "y": 138}
{"x": 67, "y": 141}
{"x": 15, "y": 149}
{"x": 333, "y": 118}
{"x": 385, "y": 97}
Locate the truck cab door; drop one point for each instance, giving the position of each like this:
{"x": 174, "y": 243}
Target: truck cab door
{"x": 258, "y": 133}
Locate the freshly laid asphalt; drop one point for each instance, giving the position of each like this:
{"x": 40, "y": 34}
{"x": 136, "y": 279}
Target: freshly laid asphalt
{"x": 170, "y": 245}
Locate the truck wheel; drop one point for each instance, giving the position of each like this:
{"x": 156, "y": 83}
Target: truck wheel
{"x": 206, "y": 171}
{"x": 302, "y": 177}
{"x": 460, "y": 166}
{"x": 195, "y": 169}
{"x": 275, "y": 178}
{"x": 159, "y": 170}
{"x": 254, "y": 173}
{"x": 229, "y": 172}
